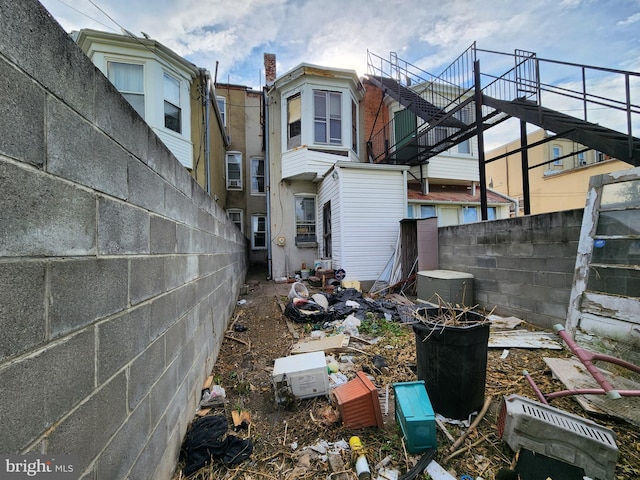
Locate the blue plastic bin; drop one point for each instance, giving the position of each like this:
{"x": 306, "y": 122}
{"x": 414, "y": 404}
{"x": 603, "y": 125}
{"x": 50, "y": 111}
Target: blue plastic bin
{"x": 415, "y": 416}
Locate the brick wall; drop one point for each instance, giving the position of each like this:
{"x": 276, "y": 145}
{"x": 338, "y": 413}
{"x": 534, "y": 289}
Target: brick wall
{"x": 375, "y": 113}
{"x": 118, "y": 274}
{"x": 521, "y": 266}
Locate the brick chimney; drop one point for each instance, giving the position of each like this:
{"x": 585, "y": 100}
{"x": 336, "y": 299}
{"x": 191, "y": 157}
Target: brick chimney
{"x": 270, "y": 68}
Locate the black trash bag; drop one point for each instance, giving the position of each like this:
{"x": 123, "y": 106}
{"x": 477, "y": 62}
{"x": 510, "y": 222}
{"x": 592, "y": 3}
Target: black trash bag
{"x": 206, "y": 440}
{"x": 309, "y": 312}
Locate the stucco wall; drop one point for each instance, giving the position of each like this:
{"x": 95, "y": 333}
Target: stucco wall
{"x": 522, "y": 266}
{"x": 118, "y": 274}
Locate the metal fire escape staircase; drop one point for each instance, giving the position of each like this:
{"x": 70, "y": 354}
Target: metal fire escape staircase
{"x": 463, "y": 102}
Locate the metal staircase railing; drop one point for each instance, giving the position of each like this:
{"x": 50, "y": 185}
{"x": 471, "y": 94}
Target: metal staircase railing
{"x": 605, "y": 98}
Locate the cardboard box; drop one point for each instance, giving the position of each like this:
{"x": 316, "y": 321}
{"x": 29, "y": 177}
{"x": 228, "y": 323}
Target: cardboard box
{"x": 301, "y": 376}
{"x": 415, "y": 415}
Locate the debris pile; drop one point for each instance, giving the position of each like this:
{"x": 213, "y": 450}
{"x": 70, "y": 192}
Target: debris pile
{"x": 313, "y": 368}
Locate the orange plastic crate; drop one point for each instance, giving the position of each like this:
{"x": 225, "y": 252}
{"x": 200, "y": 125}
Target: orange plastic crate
{"x": 358, "y": 403}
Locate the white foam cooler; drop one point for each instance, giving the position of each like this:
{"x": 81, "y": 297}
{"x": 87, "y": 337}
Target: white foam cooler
{"x": 301, "y": 376}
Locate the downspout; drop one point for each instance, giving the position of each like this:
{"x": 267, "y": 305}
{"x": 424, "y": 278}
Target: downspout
{"x": 207, "y": 133}
{"x": 267, "y": 183}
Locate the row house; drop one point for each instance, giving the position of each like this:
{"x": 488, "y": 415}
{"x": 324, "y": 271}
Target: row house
{"x": 559, "y": 173}
{"x": 214, "y": 130}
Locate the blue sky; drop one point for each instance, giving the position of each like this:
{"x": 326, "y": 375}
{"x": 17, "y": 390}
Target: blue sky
{"x": 338, "y": 33}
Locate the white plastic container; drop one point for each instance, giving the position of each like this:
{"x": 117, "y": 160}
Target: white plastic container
{"x": 301, "y": 376}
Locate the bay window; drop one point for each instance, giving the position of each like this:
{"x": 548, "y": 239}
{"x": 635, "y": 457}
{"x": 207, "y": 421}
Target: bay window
{"x": 327, "y": 117}
{"x": 128, "y": 79}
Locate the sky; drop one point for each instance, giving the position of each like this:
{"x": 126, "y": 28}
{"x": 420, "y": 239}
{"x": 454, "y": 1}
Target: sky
{"x": 230, "y": 37}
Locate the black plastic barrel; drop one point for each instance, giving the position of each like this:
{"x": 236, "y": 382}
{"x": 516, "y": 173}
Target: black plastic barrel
{"x": 452, "y": 361}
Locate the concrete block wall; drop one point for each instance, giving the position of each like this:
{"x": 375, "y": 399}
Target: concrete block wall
{"x": 118, "y": 274}
{"x": 522, "y": 266}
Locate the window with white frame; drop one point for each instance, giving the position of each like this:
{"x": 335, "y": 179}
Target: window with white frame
{"x": 327, "y": 117}
{"x": 469, "y": 214}
{"x": 581, "y": 159}
{"x": 257, "y": 175}
{"x": 258, "y": 232}
{"x": 235, "y": 215}
{"x": 556, "y": 153}
{"x": 305, "y": 209}
{"x": 427, "y": 211}
{"x": 222, "y": 106}
{"x": 128, "y": 78}
{"x": 464, "y": 147}
{"x": 294, "y": 121}
{"x": 234, "y": 171}
{"x": 172, "y": 110}
{"x": 354, "y": 126}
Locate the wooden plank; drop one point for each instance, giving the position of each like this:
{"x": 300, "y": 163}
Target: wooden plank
{"x": 524, "y": 339}
{"x": 573, "y": 374}
{"x": 321, "y": 344}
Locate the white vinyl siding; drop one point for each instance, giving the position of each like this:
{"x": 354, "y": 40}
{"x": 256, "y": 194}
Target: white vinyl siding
{"x": 366, "y": 218}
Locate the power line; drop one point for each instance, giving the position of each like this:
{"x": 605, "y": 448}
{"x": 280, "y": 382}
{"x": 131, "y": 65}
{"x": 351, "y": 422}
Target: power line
{"x": 87, "y": 15}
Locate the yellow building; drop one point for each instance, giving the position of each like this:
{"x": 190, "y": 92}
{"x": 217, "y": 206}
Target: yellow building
{"x": 559, "y": 177}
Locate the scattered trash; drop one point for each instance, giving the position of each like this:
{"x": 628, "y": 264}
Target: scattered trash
{"x": 213, "y": 396}
{"x": 387, "y": 474}
{"x": 241, "y": 419}
{"x": 240, "y": 328}
{"x": 505, "y": 353}
{"x": 207, "y": 440}
{"x": 379, "y": 362}
{"x": 361, "y": 465}
{"x": 242, "y": 302}
{"x": 298, "y": 290}
{"x": 321, "y": 300}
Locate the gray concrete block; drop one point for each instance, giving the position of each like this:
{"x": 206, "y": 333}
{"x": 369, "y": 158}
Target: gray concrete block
{"x": 120, "y": 454}
{"x": 59, "y": 376}
{"x": 22, "y": 101}
{"x": 186, "y": 360}
{"x": 89, "y": 427}
{"x": 120, "y": 340}
{"x": 175, "y": 271}
{"x": 183, "y": 239}
{"x": 122, "y": 228}
{"x": 50, "y": 56}
{"x": 550, "y": 279}
{"x": 144, "y": 372}
{"x": 160, "y": 159}
{"x": 163, "y": 313}
{"x": 162, "y": 393}
{"x": 146, "y": 278}
{"x": 80, "y": 153}
{"x": 176, "y": 337}
{"x": 162, "y": 235}
{"x": 176, "y": 205}
{"x": 152, "y": 453}
{"x": 184, "y": 180}
{"x": 73, "y": 282}
{"x": 43, "y": 216}
{"x": 145, "y": 187}
{"x": 167, "y": 465}
{"x": 22, "y": 307}
{"x": 117, "y": 118}
{"x": 186, "y": 299}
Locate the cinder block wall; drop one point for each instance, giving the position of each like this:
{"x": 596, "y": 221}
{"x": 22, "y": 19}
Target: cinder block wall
{"x": 521, "y": 266}
{"x": 118, "y": 274}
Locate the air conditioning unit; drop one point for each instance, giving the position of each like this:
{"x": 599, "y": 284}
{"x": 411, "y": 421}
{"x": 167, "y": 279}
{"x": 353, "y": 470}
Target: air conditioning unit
{"x": 234, "y": 183}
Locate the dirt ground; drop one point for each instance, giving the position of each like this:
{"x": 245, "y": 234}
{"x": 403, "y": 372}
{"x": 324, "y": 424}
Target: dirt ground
{"x": 282, "y": 434}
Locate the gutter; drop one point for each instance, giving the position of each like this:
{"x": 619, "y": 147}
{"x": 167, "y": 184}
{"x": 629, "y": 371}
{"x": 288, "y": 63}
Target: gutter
{"x": 267, "y": 183}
